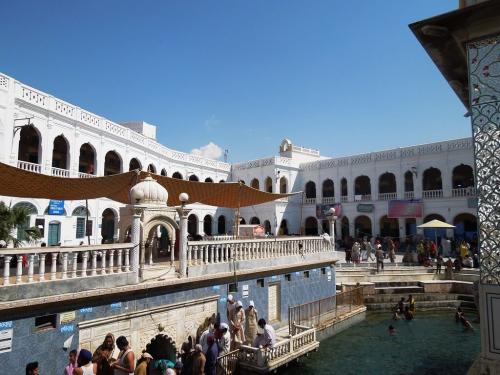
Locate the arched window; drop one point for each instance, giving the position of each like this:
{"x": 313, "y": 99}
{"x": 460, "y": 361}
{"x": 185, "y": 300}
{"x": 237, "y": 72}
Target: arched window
{"x": 60, "y": 154}
{"x": 164, "y": 172}
{"x": 242, "y": 221}
{"x": 409, "y": 181}
{"x": 255, "y": 184}
{"x": 328, "y": 189}
{"x": 221, "y": 225}
{"x": 311, "y": 226}
{"x": 283, "y": 231}
{"x": 267, "y": 226}
{"x": 86, "y": 161}
{"x": 134, "y": 164}
{"x": 194, "y": 177}
{"x": 362, "y": 186}
{"x": 254, "y": 220}
{"x": 208, "y": 179}
{"x": 108, "y": 225}
{"x": 387, "y": 183}
{"x": 80, "y": 211}
{"x": 242, "y": 182}
{"x": 22, "y": 228}
{"x": 283, "y": 185}
{"x": 177, "y": 175}
{"x": 432, "y": 179}
{"x": 29, "y": 145}
{"x": 268, "y": 184}
{"x": 221, "y": 181}
{"x": 343, "y": 187}
{"x": 152, "y": 168}
{"x": 462, "y": 177}
{"x": 193, "y": 225}
{"x": 30, "y": 207}
{"x": 207, "y": 225}
{"x": 310, "y": 190}
{"x": 363, "y": 226}
{"x": 112, "y": 163}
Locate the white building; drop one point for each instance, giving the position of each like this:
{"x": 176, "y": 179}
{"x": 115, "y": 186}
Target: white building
{"x": 44, "y": 134}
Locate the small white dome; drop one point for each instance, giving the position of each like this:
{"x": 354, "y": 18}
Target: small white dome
{"x": 148, "y": 191}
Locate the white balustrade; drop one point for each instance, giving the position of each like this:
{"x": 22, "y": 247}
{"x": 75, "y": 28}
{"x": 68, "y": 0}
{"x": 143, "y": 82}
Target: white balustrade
{"x": 432, "y": 194}
{"x": 30, "y": 167}
{"x": 387, "y": 196}
{"x": 59, "y": 172}
{"x": 464, "y": 192}
{"x": 309, "y": 200}
{"x": 344, "y": 199}
{"x": 85, "y": 175}
{"x": 409, "y": 195}
{"x": 65, "y": 262}
{"x": 328, "y": 200}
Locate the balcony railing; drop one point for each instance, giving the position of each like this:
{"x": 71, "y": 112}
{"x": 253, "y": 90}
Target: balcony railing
{"x": 387, "y": 196}
{"x": 328, "y": 200}
{"x": 64, "y": 262}
{"x": 432, "y": 194}
{"x": 464, "y": 192}
{"x": 59, "y": 172}
{"x": 363, "y": 197}
{"x": 344, "y": 199}
{"x": 85, "y": 175}
{"x": 210, "y": 252}
{"x": 409, "y": 195}
{"x": 309, "y": 200}
{"x": 30, "y": 167}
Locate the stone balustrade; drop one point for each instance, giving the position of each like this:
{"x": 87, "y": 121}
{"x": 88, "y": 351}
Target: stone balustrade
{"x": 59, "y": 172}
{"x": 37, "y": 265}
{"x": 432, "y": 194}
{"x": 464, "y": 192}
{"x": 30, "y": 167}
{"x": 387, "y": 196}
{"x": 211, "y": 252}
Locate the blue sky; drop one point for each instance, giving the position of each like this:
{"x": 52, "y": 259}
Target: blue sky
{"x": 344, "y": 77}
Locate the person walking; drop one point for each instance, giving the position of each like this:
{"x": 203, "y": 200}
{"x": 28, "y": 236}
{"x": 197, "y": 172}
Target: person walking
{"x": 448, "y": 272}
{"x": 142, "y": 364}
{"x": 252, "y": 317}
{"x": 267, "y": 333}
{"x": 356, "y": 250}
{"x": 379, "y": 255}
{"x": 211, "y": 356}
{"x": 224, "y": 339}
{"x": 391, "y": 250}
{"x": 439, "y": 264}
{"x": 85, "y": 365}
{"x": 237, "y": 323}
{"x": 125, "y": 363}
{"x": 199, "y": 361}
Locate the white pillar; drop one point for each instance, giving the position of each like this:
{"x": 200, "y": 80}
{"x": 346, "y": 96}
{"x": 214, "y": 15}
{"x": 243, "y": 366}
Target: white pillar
{"x": 183, "y": 215}
{"x": 136, "y": 235}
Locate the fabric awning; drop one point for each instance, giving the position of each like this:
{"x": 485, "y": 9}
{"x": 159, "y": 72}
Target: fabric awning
{"x": 16, "y": 182}
{"x": 436, "y": 224}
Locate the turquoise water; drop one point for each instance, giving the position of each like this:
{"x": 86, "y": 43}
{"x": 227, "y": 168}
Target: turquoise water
{"x": 433, "y": 343}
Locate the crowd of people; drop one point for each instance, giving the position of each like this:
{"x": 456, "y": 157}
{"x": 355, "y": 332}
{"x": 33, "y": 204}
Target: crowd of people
{"x": 404, "y": 309}
{"x": 116, "y": 357}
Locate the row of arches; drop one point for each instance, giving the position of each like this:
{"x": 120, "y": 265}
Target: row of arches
{"x": 462, "y": 177}
{"x": 208, "y": 225}
{"x": 268, "y": 185}
{"x": 30, "y": 151}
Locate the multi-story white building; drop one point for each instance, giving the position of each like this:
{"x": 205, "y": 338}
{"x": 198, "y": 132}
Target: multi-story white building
{"x": 44, "y": 134}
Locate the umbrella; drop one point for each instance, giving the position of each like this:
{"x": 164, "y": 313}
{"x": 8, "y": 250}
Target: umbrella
{"x": 436, "y": 224}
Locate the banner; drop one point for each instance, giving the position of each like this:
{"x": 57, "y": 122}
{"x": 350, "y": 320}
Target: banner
{"x": 56, "y": 207}
{"x": 412, "y": 208}
{"x": 322, "y": 210}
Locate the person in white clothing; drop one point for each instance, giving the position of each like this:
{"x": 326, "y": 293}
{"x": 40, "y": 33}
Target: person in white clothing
{"x": 224, "y": 340}
{"x": 230, "y": 306}
{"x": 125, "y": 363}
{"x": 204, "y": 337}
{"x": 85, "y": 365}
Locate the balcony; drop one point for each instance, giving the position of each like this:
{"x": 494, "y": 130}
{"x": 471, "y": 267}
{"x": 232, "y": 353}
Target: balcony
{"x": 387, "y": 196}
{"x": 309, "y": 200}
{"x": 409, "y": 195}
{"x": 344, "y": 199}
{"x": 464, "y": 192}
{"x": 432, "y": 194}
{"x": 58, "y": 172}
{"x": 328, "y": 200}
{"x": 362, "y": 197}
{"x": 86, "y": 175}
{"x": 30, "y": 167}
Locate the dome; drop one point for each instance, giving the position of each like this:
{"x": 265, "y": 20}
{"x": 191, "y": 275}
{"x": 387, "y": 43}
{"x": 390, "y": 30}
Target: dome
{"x": 148, "y": 191}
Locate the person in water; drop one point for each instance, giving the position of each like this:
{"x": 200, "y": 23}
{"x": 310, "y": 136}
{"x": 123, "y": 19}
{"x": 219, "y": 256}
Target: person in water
{"x": 392, "y": 330}
{"x": 467, "y": 325}
{"x": 408, "y": 313}
{"x": 411, "y": 304}
{"x": 458, "y": 314}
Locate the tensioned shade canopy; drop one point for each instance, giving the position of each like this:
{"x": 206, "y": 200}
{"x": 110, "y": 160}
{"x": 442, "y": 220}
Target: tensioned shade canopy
{"x": 16, "y": 182}
{"x": 436, "y": 224}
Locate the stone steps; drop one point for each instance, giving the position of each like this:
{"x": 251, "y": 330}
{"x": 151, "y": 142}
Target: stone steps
{"x": 419, "y": 297}
{"x": 388, "y": 306}
{"x": 407, "y": 289}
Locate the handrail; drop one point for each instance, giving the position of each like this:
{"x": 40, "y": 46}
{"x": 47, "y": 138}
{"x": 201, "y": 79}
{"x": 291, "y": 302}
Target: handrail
{"x": 63, "y": 249}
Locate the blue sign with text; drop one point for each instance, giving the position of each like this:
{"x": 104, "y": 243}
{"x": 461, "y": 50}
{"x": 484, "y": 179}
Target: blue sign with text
{"x": 56, "y": 207}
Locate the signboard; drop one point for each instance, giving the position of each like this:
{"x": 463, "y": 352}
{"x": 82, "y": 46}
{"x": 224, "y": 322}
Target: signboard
{"x": 67, "y": 317}
{"x": 245, "y": 291}
{"x": 6, "y": 340}
{"x": 412, "y": 208}
{"x": 322, "y": 210}
{"x": 365, "y": 207}
{"x": 56, "y": 207}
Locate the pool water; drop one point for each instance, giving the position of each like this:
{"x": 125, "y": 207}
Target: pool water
{"x": 432, "y": 343}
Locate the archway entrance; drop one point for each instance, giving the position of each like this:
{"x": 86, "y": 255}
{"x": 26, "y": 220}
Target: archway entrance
{"x": 207, "y": 225}
{"x": 311, "y": 226}
{"x": 108, "y": 226}
{"x": 267, "y": 226}
{"x": 465, "y": 226}
{"x": 60, "y": 155}
{"x": 221, "y": 225}
{"x": 158, "y": 245}
{"x": 255, "y": 220}
{"x": 345, "y": 227}
{"x": 410, "y": 227}
{"x": 162, "y": 347}
{"x": 389, "y": 227}
{"x": 363, "y": 226}
{"x": 283, "y": 231}
{"x": 193, "y": 225}
{"x": 29, "y": 145}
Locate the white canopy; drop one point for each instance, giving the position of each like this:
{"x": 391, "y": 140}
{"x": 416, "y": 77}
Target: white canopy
{"x": 436, "y": 224}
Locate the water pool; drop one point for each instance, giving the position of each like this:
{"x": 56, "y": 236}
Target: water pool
{"x": 430, "y": 344}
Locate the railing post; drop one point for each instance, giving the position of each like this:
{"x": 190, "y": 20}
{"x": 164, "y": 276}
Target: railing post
{"x": 85, "y": 258}
{"x": 225, "y": 252}
{"x": 64, "y": 266}
{"x": 119, "y": 260}
{"x": 189, "y": 253}
{"x": 111, "y": 261}
{"x": 41, "y": 267}
{"x": 195, "y": 255}
{"x": 74, "y": 265}
{"x": 6, "y": 269}
{"x": 93, "y": 269}
{"x": 31, "y": 267}
{"x": 103, "y": 262}
{"x": 127, "y": 260}
{"x": 53, "y": 266}
{"x": 19, "y": 269}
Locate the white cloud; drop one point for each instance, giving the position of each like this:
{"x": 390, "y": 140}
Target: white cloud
{"x": 210, "y": 150}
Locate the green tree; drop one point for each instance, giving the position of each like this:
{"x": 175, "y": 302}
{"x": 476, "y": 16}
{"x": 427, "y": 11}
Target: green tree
{"x": 16, "y": 218}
